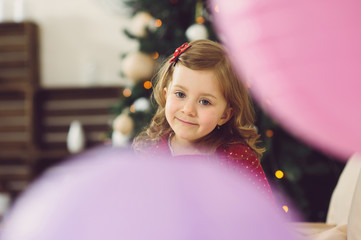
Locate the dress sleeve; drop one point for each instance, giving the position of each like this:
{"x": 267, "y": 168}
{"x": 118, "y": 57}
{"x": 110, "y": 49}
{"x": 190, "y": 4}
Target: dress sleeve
{"x": 243, "y": 159}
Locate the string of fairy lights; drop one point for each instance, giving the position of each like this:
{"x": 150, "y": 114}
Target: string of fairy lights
{"x": 279, "y": 174}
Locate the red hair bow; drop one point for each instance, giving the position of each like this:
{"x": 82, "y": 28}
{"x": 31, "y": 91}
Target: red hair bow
{"x": 178, "y": 52}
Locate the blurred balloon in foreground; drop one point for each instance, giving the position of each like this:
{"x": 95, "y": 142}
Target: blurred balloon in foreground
{"x": 110, "y": 194}
{"x": 302, "y": 60}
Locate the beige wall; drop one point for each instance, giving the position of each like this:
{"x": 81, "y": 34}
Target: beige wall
{"x": 81, "y": 41}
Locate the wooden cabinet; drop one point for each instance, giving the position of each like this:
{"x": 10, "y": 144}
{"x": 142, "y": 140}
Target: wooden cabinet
{"x": 19, "y": 81}
{"x": 34, "y": 121}
{"x": 19, "y": 58}
{"x": 56, "y": 108}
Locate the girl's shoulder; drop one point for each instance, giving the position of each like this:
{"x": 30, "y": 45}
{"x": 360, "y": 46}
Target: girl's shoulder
{"x": 238, "y": 152}
{"x": 239, "y": 148}
{"x": 243, "y": 159}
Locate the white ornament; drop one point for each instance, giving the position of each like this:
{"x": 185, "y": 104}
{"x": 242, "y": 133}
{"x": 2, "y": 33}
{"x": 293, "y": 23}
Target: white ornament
{"x": 140, "y": 23}
{"x": 196, "y": 32}
{"x": 138, "y": 66}
{"x": 142, "y": 104}
{"x": 119, "y": 139}
{"x": 76, "y": 139}
{"x": 124, "y": 124}
{"x": 123, "y": 127}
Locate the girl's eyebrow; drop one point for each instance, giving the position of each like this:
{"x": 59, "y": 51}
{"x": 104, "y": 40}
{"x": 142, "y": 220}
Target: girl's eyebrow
{"x": 180, "y": 86}
{"x": 202, "y": 94}
{"x": 208, "y": 95}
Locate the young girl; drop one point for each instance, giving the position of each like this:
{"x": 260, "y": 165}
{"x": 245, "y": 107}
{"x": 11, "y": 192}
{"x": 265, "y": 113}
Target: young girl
{"x": 203, "y": 110}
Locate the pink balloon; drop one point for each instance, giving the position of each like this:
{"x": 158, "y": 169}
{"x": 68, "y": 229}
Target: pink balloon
{"x": 110, "y": 194}
{"x": 302, "y": 60}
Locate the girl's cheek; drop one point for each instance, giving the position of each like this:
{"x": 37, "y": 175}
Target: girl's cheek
{"x": 171, "y": 99}
{"x": 173, "y": 105}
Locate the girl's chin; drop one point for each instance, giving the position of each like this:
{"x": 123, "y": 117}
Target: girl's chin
{"x": 181, "y": 138}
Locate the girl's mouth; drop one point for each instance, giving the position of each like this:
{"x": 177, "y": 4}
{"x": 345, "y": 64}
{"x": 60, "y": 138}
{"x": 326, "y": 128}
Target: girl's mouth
{"x": 185, "y": 122}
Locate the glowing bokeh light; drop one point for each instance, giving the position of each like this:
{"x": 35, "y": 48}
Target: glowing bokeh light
{"x": 158, "y": 23}
{"x": 132, "y": 108}
{"x": 200, "y": 20}
{"x": 279, "y": 174}
{"x": 155, "y": 55}
{"x": 147, "y": 85}
{"x": 269, "y": 133}
{"x": 127, "y": 92}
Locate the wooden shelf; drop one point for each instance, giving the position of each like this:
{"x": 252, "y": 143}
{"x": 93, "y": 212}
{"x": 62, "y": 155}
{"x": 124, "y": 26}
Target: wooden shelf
{"x": 19, "y": 58}
{"x": 19, "y": 81}
{"x": 34, "y": 122}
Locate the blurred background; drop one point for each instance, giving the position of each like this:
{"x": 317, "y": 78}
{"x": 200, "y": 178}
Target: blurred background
{"x": 78, "y": 74}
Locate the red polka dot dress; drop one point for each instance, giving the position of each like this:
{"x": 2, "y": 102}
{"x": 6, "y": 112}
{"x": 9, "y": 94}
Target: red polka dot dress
{"x": 241, "y": 158}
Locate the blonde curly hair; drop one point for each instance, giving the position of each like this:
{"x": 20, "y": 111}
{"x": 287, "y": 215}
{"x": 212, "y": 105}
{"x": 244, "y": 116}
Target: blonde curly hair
{"x": 206, "y": 55}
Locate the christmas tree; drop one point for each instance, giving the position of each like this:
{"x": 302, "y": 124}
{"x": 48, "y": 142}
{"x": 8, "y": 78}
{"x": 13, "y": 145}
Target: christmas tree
{"x": 306, "y": 175}
{"x": 159, "y": 27}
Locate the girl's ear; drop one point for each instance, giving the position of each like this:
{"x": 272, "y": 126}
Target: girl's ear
{"x": 165, "y": 92}
{"x": 228, "y": 113}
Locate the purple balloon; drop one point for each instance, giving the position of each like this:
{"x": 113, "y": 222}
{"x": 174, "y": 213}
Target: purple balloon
{"x": 111, "y": 194}
{"x": 302, "y": 61}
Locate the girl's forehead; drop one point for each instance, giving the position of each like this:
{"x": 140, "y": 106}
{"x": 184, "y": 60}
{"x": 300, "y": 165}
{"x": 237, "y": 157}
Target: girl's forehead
{"x": 180, "y": 72}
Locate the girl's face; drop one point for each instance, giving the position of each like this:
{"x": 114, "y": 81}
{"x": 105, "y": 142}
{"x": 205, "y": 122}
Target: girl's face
{"x": 195, "y": 104}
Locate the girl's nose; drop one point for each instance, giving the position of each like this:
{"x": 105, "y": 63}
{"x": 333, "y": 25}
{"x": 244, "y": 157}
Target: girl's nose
{"x": 189, "y": 108}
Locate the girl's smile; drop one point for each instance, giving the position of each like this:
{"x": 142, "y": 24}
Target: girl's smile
{"x": 186, "y": 122}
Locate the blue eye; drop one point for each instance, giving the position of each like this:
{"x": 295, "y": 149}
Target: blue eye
{"x": 205, "y": 102}
{"x": 180, "y": 94}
